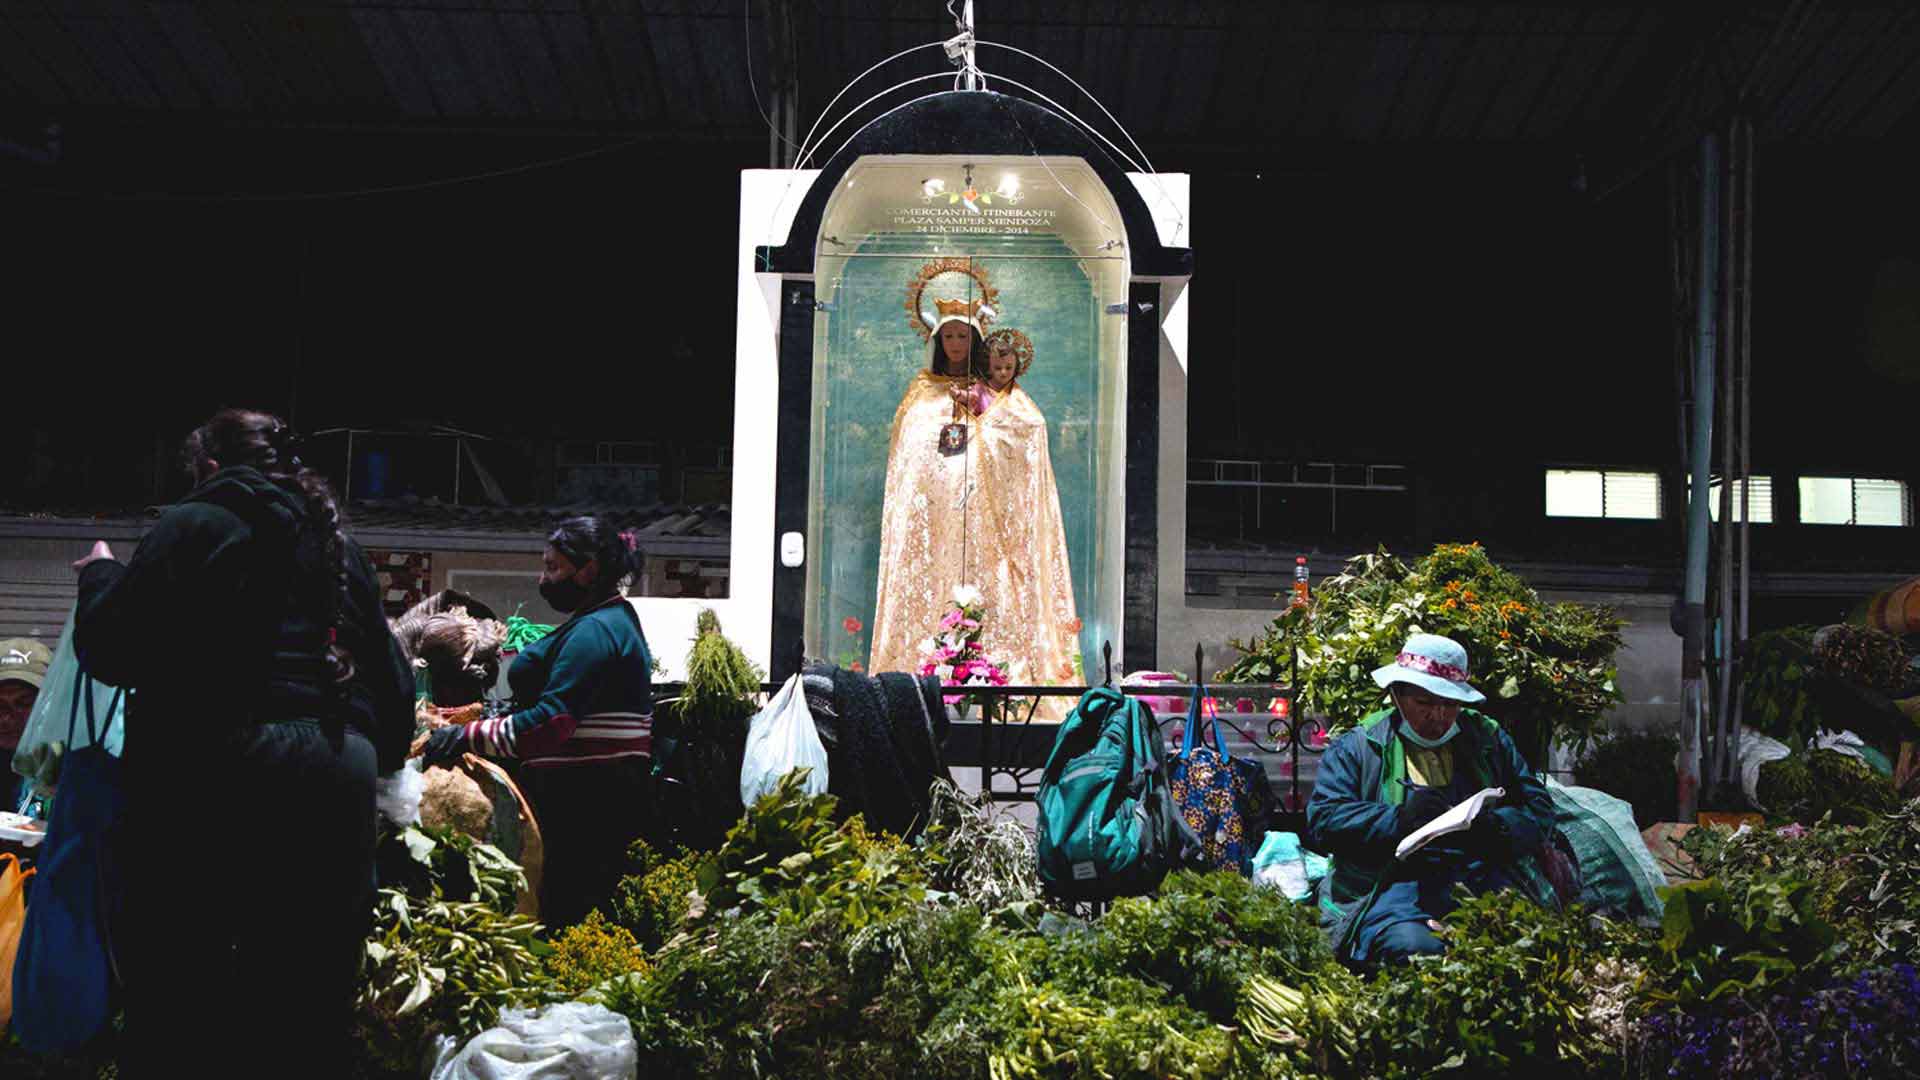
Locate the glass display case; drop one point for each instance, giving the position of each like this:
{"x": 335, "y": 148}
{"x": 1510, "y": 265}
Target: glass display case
{"x": 928, "y": 470}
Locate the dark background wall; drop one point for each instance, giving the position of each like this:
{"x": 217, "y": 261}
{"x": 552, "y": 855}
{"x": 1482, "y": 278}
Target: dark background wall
{"x": 1465, "y": 310}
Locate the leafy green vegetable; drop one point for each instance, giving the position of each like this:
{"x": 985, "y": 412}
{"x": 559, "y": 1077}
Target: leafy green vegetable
{"x": 1717, "y": 941}
{"x": 1548, "y": 669}
{"x": 1818, "y": 784}
{"x": 441, "y": 967}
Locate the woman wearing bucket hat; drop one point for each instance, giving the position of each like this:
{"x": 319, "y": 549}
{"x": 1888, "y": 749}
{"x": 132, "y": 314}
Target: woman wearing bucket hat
{"x": 1400, "y": 768}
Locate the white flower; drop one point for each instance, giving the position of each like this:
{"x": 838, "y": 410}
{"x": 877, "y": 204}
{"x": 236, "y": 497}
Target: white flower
{"x": 943, "y": 672}
{"x": 966, "y": 596}
{"x": 926, "y": 646}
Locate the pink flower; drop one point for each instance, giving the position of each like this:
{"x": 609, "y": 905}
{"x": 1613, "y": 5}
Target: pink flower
{"x": 952, "y": 620}
{"x": 969, "y": 624}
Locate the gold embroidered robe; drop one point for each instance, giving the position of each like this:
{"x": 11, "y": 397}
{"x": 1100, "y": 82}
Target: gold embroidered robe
{"x": 989, "y": 517}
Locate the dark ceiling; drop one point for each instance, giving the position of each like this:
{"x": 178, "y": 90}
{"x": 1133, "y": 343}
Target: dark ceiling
{"x": 1212, "y": 73}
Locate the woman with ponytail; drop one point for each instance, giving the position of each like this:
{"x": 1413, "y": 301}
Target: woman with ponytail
{"x": 267, "y": 693}
{"x": 581, "y": 724}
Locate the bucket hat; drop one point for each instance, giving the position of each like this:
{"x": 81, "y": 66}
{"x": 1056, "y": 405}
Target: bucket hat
{"x": 1436, "y": 664}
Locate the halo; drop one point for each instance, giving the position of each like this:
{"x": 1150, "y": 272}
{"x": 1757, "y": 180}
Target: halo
{"x": 1018, "y": 343}
{"x": 921, "y": 322}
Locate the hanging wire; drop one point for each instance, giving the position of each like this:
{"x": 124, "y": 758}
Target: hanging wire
{"x": 855, "y": 111}
{"x": 746, "y": 31}
{"x": 1083, "y": 90}
{"x": 804, "y": 152}
{"x": 1105, "y": 225}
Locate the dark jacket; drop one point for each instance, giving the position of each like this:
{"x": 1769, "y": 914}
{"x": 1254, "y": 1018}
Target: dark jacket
{"x": 221, "y": 621}
{"x": 1349, "y": 819}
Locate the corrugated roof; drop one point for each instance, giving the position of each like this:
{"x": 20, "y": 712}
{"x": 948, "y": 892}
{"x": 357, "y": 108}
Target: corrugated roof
{"x": 1214, "y": 72}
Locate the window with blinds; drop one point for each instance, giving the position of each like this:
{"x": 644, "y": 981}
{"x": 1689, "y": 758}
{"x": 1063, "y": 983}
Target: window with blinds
{"x": 1603, "y": 493}
{"x": 1853, "y": 500}
{"x": 1759, "y": 501}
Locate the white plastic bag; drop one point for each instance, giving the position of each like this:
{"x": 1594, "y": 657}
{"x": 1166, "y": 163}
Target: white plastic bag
{"x": 1281, "y": 865}
{"x": 397, "y": 794}
{"x": 1756, "y": 750}
{"x": 570, "y": 1041}
{"x": 782, "y": 739}
{"x": 1840, "y": 742}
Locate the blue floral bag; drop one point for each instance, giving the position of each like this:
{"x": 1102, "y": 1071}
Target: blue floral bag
{"x": 1216, "y": 794}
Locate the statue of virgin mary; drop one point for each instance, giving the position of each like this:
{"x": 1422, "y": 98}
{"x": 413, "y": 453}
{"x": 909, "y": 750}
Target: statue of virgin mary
{"x": 970, "y": 500}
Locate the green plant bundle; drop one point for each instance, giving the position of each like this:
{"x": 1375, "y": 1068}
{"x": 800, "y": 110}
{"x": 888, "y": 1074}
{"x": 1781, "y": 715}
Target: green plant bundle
{"x": 1508, "y": 994}
{"x": 721, "y": 682}
{"x": 1547, "y": 669}
{"x": 1203, "y": 936}
{"x": 441, "y": 863}
{"x": 1814, "y": 784}
{"x": 976, "y": 854}
{"x": 787, "y": 855}
{"x": 439, "y": 967}
{"x": 1637, "y": 766}
{"x": 1317, "y": 1031}
{"x": 589, "y": 954}
{"x": 1110, "y": 1035}
{"x": 1754, "y": 936}
{"x": 654, "y": 896}
{"x": 1872, "y": 659}
{"x": 1866, "y": 880}
{"x": 1777, "y": 684}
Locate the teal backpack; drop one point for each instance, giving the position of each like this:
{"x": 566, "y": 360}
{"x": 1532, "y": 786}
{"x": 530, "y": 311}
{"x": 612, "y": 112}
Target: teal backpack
{"x": 1107, "y": 823}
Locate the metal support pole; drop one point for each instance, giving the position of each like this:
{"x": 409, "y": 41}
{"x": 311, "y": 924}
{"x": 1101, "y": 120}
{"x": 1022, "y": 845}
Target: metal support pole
{"x": 1723, "y": 606}
{"x": 1694, "y": 598}
{"x": 1744, "y": 131}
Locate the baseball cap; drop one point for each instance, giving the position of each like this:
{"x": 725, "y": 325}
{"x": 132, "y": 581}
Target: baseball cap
{"x": 24, "y": 659}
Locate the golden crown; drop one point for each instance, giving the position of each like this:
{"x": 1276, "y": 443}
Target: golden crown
{"x": 969, "y": 309}
{"x": 982, "y": 310}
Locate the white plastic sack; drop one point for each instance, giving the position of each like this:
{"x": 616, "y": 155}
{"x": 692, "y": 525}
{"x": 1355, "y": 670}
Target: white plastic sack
{"x": 397, "y": 794}
{"x": 781, "y": 739}
{"x": 569, "y": 1041}
{"x": 1756, "y": 750}
{"x": 1840, "y": 742}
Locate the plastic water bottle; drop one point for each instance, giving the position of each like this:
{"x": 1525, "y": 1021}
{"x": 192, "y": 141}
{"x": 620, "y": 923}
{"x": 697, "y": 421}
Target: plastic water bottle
{"x": 1299, "y": 582}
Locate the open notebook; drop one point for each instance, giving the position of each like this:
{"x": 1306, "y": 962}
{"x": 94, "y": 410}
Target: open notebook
{"x": 1455, "y": 820}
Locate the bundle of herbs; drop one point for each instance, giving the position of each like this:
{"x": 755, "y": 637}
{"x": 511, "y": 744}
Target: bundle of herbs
{"x": 1866, "y": 880}
{"x": 654, "y": 895}
{"x": 1512, "y": 993}
{"x": 1816, "y": 785}
{"x": 701, "y": 737}
{"x": 1547, "y": 668}
{"x": 440, "y": 967}
{"x": 975, "y": 853}
{"x": 1637, "y": 766}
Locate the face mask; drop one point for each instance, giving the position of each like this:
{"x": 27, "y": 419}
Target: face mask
{"x": 1417, "y": 739}
{"x": 563, "y": 596}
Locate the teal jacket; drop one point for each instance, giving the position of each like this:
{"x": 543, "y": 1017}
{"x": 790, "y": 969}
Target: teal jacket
{"x": 1353, "y": 817}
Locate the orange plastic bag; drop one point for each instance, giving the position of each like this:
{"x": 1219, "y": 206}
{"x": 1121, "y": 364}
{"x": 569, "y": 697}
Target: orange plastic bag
{"x": 13, "y": 918}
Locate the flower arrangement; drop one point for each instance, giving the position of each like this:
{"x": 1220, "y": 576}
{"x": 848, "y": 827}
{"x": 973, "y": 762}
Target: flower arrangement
{"x": 849, "y": 657}
{"x": 954, "y": 654}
